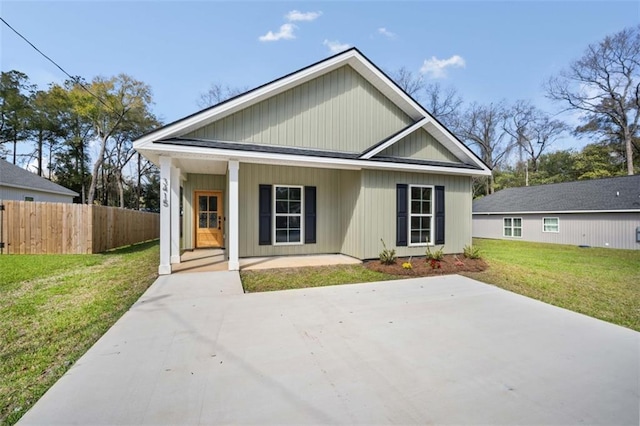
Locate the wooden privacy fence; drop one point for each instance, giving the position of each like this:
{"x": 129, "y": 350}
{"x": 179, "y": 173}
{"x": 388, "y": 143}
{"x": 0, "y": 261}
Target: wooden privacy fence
{"x": 39, "y": 228}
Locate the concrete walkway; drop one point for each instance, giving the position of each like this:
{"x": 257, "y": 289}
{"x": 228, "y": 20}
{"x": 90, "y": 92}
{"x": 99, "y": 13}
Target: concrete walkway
{"x": 447, "y": 350}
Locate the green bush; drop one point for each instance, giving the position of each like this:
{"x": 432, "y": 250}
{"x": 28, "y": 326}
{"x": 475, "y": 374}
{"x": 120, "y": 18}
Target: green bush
{"x": 435, "y": 255}
{"x": 387, "y": 257}
{"x": 471, "y": 252}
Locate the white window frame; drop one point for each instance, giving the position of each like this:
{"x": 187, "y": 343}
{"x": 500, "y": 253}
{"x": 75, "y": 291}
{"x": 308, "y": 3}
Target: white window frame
{"x": 410, "y": 215}
{"x": 557, "y": 231}
{"x": 275, "y": 215}
{"x": 504, "y": 234}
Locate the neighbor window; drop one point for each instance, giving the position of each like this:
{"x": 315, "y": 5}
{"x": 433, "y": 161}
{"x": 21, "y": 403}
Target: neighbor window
{"x": 420, "y": 215}
{"x": 512, "y": 227}
{"x": 550, "y": 224}
{"x": 28, "y": 198}
{"x": 288, "y": 214}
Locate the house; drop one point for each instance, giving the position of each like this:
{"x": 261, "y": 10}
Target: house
{"x": 19, "y": 184}
{"x": 598, "y": 213}
{"x": 328, "y": 159}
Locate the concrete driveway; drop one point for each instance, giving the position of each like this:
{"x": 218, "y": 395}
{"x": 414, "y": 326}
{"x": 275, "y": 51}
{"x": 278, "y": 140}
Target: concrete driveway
{"x": 195, "y": 350}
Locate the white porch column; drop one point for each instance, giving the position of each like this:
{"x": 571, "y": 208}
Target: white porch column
{"x": 232, "y": 242}
{"x": 165, "y": 215}
{"x": 175, "y": 215}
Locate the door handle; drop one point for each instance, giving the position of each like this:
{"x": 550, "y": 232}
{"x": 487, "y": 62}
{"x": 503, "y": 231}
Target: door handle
{"x": 219, "y": 221}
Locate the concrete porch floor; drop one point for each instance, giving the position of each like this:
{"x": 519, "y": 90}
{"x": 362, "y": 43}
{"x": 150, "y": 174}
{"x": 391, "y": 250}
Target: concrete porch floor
{"x": 208, "y": 260}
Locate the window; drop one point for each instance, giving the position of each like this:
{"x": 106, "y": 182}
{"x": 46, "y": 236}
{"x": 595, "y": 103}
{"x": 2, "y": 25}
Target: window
{"x": 420, "y": 215}
{"x": 550, "y": 224}
{"x": 512, "y": 227}
{"x": 288, "y": 214}
{"x": 28, "y": 198}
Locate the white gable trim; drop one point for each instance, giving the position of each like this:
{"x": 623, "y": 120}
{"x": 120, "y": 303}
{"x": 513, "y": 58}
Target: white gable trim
{"x": 350, "y": 57}
{"x": 556, "y": 212}
{"x": 396, "y": 138}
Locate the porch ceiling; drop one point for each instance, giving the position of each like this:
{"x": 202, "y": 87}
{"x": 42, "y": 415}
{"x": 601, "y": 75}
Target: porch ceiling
{"x": 201, "y": 166}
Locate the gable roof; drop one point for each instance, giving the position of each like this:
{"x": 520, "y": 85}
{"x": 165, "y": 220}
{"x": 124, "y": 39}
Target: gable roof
{"x": 362, "y": 65}
{"x": 17, "y": 177}
{"x": 609, "y": 194}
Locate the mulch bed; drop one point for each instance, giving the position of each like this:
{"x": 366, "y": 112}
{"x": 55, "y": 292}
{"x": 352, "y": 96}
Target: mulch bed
{"x": 450, "y": 264}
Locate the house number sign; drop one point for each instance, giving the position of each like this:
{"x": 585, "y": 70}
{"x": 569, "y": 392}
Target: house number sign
{"x": 165, "y": 193}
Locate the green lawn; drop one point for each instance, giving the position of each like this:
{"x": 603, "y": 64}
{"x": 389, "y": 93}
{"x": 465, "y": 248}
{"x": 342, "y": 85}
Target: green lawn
{"x": 316, "y": 276}
{"x": 54, "y": 307}
{"x": 602, "y": 283}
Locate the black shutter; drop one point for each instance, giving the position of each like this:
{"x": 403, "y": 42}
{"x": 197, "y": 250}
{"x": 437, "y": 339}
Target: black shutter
{"x": 309, "y": 214}
{"x": 264, "y": 219}
{"x": 402, "y": 223}
{"x": 439, "y": 215}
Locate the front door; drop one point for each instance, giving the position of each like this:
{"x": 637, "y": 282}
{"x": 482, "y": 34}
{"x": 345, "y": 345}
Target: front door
{"x": 209, "y": 219}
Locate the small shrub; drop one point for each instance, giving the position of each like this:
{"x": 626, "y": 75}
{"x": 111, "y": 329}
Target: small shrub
{"x": 387, "y": 257}
{"x": 471, "y": 252}
{"x": 435, "y": 264}
{"x": 458, "y": 262}
{"x": 435, "y": 255}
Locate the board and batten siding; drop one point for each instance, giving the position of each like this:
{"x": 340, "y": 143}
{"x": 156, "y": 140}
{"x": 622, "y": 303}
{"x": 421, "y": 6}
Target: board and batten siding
{"x": 339, "y": 111}
{"x": 375, "y": 214}
{"x": 419, "y": 145}
{"x": 199, "y": 182}
{"x": 328, "y": 213}
{"x": 612, "y": 230}
{"x": 19, "y": 194}
{"x": 350, "y": 211}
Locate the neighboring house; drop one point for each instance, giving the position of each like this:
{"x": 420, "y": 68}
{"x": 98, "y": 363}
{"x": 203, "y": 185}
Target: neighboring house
{"x": 328, "y": 159}
{"x": 19, "y": 184}
{"x": 598, "y": 213}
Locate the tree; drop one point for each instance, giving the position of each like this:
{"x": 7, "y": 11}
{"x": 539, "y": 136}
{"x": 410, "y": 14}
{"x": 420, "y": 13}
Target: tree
{"x": 444, "y": 104}
{"x": 218, "y": 93}
{"x": 598, "y": 160}
{"x": 604, "y": 86}
{"x": 46, "y": 123}
{"x": 481, "y": 126}
{"x": 532, "y": 132}
{"x": 408, "y": 81}
{"x": 110, "y": 107}
{"x": 15, "y": 109}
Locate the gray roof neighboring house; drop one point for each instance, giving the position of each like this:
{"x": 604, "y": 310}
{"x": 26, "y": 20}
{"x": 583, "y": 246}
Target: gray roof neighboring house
{"x": 17, "y": 177}
{"x": 608, "y": 194}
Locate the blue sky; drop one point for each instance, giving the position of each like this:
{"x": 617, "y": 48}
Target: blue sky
{"x": 487, "y": 50}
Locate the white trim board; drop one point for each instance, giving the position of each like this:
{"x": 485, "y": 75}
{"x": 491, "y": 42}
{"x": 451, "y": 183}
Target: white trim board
{"x": 556, "y": 212}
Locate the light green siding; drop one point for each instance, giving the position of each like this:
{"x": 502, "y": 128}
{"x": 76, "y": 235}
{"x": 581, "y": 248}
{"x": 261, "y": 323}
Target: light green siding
{"x": 328, "y": 214}
{"x": 339, "y": 111}
{"x": 419, "y": 145}
{"x": 198, "y": 182}
{"x": 351, "y": 212}
{"x": 378, "y": 202}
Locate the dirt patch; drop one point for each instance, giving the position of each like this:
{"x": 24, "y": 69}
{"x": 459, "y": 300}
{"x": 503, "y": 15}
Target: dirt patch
{"x": 421, "y": 267}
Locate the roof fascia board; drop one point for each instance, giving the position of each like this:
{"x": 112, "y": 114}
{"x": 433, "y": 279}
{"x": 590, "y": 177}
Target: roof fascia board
{"x": 308, "y": 161}
{"x": 395, "y": 139}
{"x": 558, "y": 212}
{"x": 47, "y": 191}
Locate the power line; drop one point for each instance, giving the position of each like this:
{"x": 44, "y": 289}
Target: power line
{"x": 75, "y": 79}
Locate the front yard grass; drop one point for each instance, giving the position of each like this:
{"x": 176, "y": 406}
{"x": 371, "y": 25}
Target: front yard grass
{"x": 313, "y": 276}
{"x": 602, "y": 283}
{"x": 54, "y": 307}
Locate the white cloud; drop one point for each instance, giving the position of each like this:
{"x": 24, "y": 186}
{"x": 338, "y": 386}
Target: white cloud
{"x": 296, "y": 15}
{"x": 385, "y": 32}
{"x": 285, "y": 33}
{"x": 335, "y": 46}
{"x": 436, "y": 68}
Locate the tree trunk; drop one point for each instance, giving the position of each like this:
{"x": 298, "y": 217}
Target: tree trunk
{"x": 96, "y": 169}
{"x": 120, "y": 188}
{"x": 629, "y": 151}
{"x": 138, "y": 184}
{"x": 15, "y": 143}
{"x": 40, "y": 137}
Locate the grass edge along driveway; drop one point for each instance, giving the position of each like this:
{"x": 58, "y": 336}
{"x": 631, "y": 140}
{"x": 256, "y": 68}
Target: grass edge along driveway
{"x": 54, "y": 307}
{"x": 599, "y": 282}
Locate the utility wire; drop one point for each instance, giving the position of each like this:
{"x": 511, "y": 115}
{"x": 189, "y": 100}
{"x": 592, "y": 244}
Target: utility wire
{"x": 75, "y": 79}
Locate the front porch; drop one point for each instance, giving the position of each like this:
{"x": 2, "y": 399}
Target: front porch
{"x": 208, "y": 260}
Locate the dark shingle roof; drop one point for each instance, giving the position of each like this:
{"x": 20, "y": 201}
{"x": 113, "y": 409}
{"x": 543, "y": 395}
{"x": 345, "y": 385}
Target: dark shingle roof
{"x": 12, "y": 175}
{"x": 288, "y": 150}
{"x": 619, "y": 193}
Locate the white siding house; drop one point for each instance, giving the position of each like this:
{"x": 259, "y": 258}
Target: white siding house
{"x": 594, "y": 213}
{"x": 19, "y": 184}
